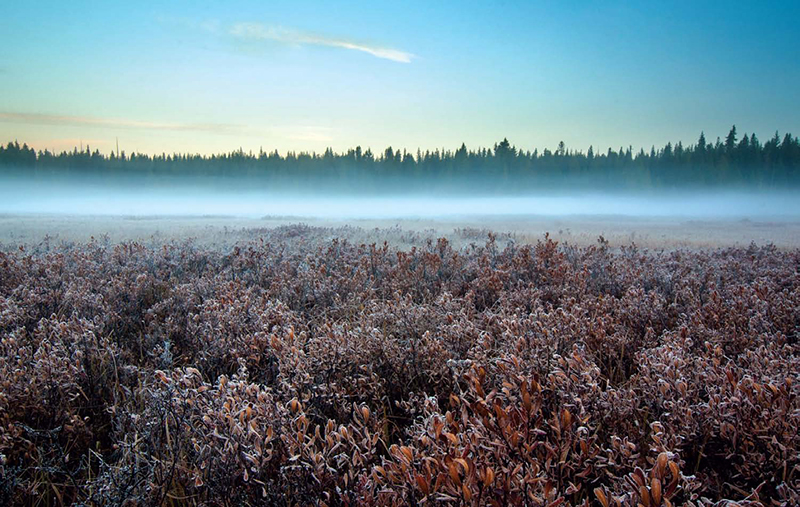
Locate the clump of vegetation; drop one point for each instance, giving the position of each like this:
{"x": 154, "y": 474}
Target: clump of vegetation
{"x": 299, "y": 369}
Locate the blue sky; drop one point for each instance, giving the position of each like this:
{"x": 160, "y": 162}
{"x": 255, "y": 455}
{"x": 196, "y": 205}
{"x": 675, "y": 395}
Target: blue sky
{"x": 208, "y": 77}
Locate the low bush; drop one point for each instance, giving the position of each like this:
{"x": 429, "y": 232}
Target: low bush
{"x": 303, "y": 369}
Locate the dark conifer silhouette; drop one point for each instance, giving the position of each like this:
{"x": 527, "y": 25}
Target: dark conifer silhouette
{"x": 742, "y": 163}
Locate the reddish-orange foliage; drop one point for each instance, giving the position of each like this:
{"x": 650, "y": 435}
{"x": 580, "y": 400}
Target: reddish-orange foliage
{"x": 298, "y": 370}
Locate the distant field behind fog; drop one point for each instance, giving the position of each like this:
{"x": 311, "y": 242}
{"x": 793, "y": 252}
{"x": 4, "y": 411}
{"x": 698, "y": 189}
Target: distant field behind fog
{"x": 31, "y": 212}
{"x": 647, "y": 232}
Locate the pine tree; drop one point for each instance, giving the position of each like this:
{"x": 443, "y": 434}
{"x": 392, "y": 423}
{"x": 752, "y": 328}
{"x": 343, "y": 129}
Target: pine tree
{"x": 730, "y": 141}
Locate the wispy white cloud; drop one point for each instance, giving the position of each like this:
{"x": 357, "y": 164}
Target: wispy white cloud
{"x": 90, "y": 121}
{"x": 259, "y": 32}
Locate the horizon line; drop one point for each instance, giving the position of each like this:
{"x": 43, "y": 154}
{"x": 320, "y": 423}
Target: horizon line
{"x": 418, "y": 149}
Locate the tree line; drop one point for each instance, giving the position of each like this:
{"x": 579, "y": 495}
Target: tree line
{"x": 728, "y": 162}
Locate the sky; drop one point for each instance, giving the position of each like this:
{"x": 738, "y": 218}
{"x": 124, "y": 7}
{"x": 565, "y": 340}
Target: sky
{"x": 208, "y": 77}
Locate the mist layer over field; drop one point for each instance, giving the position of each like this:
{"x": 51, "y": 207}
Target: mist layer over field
{"x": 25, "y": 197}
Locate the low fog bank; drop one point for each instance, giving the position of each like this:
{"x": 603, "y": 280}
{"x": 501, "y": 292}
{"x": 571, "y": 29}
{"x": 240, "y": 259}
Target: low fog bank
{"x": 25, "y": 197}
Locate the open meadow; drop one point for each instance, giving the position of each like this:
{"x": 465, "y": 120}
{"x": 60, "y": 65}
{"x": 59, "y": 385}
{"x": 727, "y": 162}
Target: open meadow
{"x": 219, "y": 361}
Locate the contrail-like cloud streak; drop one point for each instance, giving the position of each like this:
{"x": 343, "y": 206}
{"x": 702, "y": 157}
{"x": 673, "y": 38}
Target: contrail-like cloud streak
{"x": 256, "y": 31}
